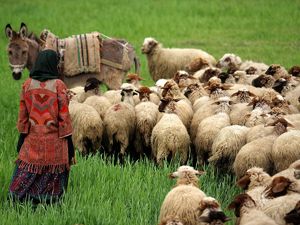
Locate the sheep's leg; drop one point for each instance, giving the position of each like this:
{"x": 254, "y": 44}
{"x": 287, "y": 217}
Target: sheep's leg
{"x": 160, "y": 157}
{"x": 183, "y": 157}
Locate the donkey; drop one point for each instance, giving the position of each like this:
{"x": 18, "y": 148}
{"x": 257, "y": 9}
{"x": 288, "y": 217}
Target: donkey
{"x": 23, "y": 50}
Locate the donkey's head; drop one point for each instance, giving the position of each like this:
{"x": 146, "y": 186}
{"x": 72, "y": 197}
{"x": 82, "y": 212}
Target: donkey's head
{"x": 17, "y": 49}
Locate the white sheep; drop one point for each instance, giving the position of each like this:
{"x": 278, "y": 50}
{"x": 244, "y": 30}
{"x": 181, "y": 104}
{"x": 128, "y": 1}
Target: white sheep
{"x": 226, "y": 146}
{"x": 247, "y": 212}
{"x": 119, "y": 122}
{"x": 286, "y": 149}
{"x": 87, "y": 127}
{"x": 146, "y": 118}
{"x": 169, "y": 135}
{"x": 165, "y": 62}
{"x": 184, "y": 199}
{"x": 209, "y": 128}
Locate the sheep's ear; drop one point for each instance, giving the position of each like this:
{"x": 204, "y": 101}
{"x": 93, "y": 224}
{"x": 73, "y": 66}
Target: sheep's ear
{"x": 23, "y": 31}
{"x": 281, "y": 184}
{"x": 244, "y": 182}
{"x": 235, "y": 94}
{"x": 251, "y": 94}
{"x": 204, "y": 219}
{"x": 200, "y": 172}
{"x": 9, "y": 31}
{"x": 173, "y": 175}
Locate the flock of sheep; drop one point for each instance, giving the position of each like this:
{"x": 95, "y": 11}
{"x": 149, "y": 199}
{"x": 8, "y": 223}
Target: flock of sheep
{"x": 231, "y": 113}
{"x": 267, "y": 200}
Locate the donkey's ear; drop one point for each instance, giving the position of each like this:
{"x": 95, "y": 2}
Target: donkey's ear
{"x": 9, "y": 31}
{"x": 23, "y": 31}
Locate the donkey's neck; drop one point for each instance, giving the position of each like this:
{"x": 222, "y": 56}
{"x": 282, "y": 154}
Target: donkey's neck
{"x": 33, "y": 51}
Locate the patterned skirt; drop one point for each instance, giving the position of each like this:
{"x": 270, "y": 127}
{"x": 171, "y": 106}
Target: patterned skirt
{"x": 44, "y": 187}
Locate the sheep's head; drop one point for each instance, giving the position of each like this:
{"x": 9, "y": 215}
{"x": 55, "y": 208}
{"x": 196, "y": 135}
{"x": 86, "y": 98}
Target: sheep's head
{"x": 280, "y": 84}
{"x": 295, "y": 71}
{"x": 197, "y": 64}
{"x": 144, "y": 94}
{"x": 167, "y": 105}
{"x": 191, "y": 88}
{"x": 254, "y": 176}
{"x": 280, "y": 125}
{"x": 229, "y": 60}
{"x": 133, "y": 78}
{"x": 243, "y": 95}
{"x": 274, "y": 68}
{"x": 148, "y": 45}
{"x": 170, "y": 89}
{"x": 223, "y": 76}
{"x": 92, "y": 84}
{"x": 127, "y": 92}
{"x": 251, "y": 70}
{"x": 209, "y": 73}
{"x": 180, "y": 74}
{"x": 293, "y": 217}
{"x": 224, "y": 104}
{"x": 263, "y": 81}
{"x": 210, "y": 212}
{"x": 186, "y": 175}
{"x": 278, "y": 187}
{"x": 241, "y": 200}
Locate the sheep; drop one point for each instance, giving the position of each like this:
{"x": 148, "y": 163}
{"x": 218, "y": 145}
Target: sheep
{"x": 134, "y": 79}
{"x": 184, "y": 199}
{"x": 243, "y": 95}
{"x": 239, "y": 113}
{"x": 205, "y": 74}
{"x": 226, "y": 145}
{"x": 169, "y": 136}
{"x": 119, "y": 122}
{"x": 87, "y": 127}
{"x": 100, "y": 103}
{"x": 264, "y": 80}
{"x": 255, "y": 153}
{"x": 277, "y": 71}
{"x": 286, "y": 149}
{"x": 247, "y": 213}
{"x": 216, "y": 89}
{"x": 171, "y": 221}
{"x": 146, "y": 118}
{"x": 165, "y": 62}
{"x": 295, "y": 71}
{"x": 209, "y": 128}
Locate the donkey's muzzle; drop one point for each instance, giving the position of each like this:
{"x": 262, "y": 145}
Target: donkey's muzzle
{"x": 17, "y": 76}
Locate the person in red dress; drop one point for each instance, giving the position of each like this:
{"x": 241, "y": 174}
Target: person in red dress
{"x": 45, "y": 144}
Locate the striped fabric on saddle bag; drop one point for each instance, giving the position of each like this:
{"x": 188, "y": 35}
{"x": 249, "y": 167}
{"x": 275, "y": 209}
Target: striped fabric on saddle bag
{"x": 82, "y": 54}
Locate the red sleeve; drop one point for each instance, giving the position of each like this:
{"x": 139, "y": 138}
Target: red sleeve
{"x": 64, "y": 119}
{"x": 23, "y": 118}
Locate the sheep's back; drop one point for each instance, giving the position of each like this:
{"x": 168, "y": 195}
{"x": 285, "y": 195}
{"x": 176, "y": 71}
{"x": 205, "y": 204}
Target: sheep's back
{"x": 182, "y": 202}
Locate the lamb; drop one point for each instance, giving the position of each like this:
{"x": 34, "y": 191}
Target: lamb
{"x": 169, "y": 135}
{"x": 184, "y": 199}
{"x": 286, "y": 149}
{"x": 209, "y": 128}
{"x": 226, "y": 146}
{"x": 247, "y": 213}
{"x": 146, "y": 118}
{"x": 165, "y": 62}
{"x": 87, "y": 127}
{"x": 119, "y": 122}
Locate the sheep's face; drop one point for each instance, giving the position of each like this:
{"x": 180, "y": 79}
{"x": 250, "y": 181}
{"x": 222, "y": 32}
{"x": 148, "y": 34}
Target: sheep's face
{"x": 273, "y": 69}
{"x": 148, "y": 45}
{"x": 190, "y": 89}
{"x": 280, "y": 84}
{"x": 295, "y": 71}
{"x": 133, "y": 78}
{"x": 167, "y": 105}
{"x": 144, "y": 94}
{"x": 229, "y": 61}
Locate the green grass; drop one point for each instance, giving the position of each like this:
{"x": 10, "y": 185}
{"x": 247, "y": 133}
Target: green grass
{"x": 101, "y": 193}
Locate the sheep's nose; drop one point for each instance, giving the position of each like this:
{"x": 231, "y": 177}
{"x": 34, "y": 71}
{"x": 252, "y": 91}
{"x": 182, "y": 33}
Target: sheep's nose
{"x": 17, "y": 76}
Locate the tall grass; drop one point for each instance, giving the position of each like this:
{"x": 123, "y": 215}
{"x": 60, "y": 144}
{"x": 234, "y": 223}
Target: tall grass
{"x": 100, "y": 192}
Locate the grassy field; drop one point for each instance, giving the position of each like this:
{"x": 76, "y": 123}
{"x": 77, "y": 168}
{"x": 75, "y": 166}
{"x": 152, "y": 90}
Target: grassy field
{"x": 102, "y": 193}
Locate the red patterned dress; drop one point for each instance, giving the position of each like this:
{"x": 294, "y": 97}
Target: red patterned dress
{"x": 42, "y": 166}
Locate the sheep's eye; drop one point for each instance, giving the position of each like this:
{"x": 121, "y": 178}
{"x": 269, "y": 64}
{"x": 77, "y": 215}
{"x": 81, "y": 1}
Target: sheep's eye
{"x": 10, "y": 52}
{"x": 24, "y": 52}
